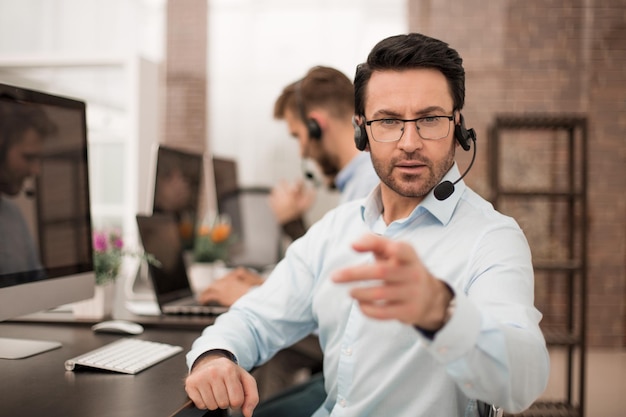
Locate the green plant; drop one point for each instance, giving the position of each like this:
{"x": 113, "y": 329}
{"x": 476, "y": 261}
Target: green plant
{"x": 213, "y": 241}
{"x": 109, "y": 253}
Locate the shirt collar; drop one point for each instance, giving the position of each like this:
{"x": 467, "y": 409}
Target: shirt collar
{"x": 343, "y": 177}
{"x": 372, "y": 206}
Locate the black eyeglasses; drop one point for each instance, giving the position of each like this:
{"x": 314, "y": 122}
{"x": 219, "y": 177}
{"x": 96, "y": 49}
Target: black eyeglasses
{"x": 391, "y": 130}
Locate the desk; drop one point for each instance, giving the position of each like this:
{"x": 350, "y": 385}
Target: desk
{"x": 40, "y": 386}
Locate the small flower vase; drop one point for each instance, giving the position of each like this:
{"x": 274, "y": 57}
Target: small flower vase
{"x": 99, "y": 307}
{"x": 203, "y": 274}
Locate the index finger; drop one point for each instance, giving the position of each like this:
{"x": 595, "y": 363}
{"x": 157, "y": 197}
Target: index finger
{"x": 388, "y": 254}
{"x": 385, "y": 249}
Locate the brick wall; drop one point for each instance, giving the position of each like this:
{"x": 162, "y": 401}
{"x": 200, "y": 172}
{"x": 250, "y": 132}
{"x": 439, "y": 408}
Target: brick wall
{"x": 547, "y": 57}
{"x": 186, "y": 74}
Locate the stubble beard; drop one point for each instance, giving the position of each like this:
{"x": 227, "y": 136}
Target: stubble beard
{"x": 328, "y": 164}
{"x": 413, "y": 186}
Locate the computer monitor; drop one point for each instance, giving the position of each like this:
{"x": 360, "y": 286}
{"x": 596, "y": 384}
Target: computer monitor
{"x": 254, "y": 226}
{"x": 227, "y": 189}
{"x": 45, "y": 220}
{"x": 178, "y": 183}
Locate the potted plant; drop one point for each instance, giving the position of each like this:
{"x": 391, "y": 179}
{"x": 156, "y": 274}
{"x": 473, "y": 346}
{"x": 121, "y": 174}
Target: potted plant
{"x": 108, "y": 255}
{"x": 210, "y": 251}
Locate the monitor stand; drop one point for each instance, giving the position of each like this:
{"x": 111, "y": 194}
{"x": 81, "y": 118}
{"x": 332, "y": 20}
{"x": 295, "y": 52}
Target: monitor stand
{"x": 139, "y": 287}
{"x": 23, "y": 348}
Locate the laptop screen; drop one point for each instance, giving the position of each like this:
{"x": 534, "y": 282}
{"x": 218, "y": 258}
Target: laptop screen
{"x": 160, "y": 238}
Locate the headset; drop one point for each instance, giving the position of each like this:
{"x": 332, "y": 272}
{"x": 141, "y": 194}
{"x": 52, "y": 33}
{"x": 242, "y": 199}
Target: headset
{"x": 313, "y": 128}
{"x": 360, "y": 135}
{"x": 463, "y": 136}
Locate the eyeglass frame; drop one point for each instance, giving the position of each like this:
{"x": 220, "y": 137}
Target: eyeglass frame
{"x": 369, "y": 123}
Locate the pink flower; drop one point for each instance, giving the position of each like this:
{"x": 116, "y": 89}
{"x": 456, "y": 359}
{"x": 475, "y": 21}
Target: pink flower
{"x": 116, "y": 240}
{"x": 100, "y": 243}
{"x": 118, "y": 243}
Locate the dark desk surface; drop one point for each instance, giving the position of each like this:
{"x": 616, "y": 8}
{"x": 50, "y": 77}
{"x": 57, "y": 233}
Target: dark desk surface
{"x": 40, "y": 386}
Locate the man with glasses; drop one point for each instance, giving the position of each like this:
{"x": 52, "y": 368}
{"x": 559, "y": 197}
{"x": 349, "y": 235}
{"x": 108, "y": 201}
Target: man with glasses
{"x": 424, "y": 305}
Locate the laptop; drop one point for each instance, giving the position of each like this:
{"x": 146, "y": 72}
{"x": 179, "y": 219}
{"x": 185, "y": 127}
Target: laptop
{"x": 160, "y": 237}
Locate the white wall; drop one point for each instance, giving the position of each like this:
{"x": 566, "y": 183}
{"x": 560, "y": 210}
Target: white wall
{"x": 81, "y": 28}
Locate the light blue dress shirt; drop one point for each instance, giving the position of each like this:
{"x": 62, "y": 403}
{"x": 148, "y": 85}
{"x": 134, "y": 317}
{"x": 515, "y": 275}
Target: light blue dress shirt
{"x": 491, "y": 349}
{"x": 357, "y": 179}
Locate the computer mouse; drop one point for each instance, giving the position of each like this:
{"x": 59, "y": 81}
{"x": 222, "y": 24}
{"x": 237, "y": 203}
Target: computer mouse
{"x": 118, "y": 326}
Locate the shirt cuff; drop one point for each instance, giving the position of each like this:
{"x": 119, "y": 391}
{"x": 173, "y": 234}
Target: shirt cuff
{"x": 430, "y": 334}
{"x": 222, "y": 352}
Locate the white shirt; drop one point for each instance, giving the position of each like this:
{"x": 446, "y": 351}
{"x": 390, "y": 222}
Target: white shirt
{"x": 491, "y": 349}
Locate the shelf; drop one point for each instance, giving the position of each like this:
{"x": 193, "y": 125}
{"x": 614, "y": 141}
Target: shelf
{"x": 552, "y": 204}
{"x": 548, "y": 265}
{"x": 539, "y": 121}
{"x": 560, "y": 338}
{"x": 549, "y": 409}
{"x": 540, "y": 194}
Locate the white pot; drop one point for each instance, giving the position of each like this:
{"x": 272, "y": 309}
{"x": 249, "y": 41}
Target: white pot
{"x": 203, "y": 274}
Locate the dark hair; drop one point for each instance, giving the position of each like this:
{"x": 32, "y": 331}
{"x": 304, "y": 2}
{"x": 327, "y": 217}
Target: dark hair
{"x": 410, "y": 51}
{"x": 16, "y": 118}
{"x": 321, "y": 87}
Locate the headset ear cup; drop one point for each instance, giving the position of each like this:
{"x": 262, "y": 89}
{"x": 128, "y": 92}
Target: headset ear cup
{"x": 360, "y": 137}
{"x": 314, "y": 129}
{"x": 461, "y": 134}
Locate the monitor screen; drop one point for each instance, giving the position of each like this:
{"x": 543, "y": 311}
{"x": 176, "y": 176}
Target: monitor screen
{"x": 177, "y": 188}
{"x": 226, "y": 191}
{"x": 45, "y": 220}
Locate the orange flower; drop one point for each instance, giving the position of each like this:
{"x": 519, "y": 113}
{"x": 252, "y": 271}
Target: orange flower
{"x": 204, "y": 230}
{"x": 213, "y": 239}
{"x": 220, "y": 232}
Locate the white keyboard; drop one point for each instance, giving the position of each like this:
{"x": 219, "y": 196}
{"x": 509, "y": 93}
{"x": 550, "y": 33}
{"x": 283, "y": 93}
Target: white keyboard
{"x": 127, "y": 355}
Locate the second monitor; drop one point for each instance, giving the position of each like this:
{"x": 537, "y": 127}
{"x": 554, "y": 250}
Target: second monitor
{"x": 178, "y": 187}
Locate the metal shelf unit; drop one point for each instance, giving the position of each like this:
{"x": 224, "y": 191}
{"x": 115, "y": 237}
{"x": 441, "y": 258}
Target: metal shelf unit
{"x": 538, "y": 171}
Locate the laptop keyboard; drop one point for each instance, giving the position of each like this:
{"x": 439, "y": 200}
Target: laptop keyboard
{"x": 127, "y": 355}
{"x": 189, "y": 305}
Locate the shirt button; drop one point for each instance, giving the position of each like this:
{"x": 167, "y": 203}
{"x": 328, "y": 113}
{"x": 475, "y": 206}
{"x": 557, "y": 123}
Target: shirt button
{"x": 443, "y": 350}
{"x": 469, "y": 385}
{"x": 342, "y": 402}
{"x": 347, "y": 351}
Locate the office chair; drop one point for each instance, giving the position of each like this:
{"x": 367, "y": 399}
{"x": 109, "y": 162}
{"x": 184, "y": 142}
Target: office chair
{"x": 488, "y": 410}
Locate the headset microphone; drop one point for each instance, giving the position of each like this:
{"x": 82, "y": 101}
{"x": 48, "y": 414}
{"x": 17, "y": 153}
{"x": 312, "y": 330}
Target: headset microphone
{"x": 446, "y": 188}
{"x": 309, "y": 175}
